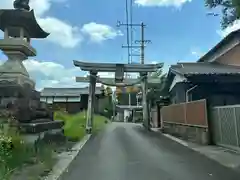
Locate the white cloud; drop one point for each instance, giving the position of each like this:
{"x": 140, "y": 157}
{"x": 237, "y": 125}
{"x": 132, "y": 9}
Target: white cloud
{"x": 234, "y": 27}
{"x": 106, "y": 74}
{"x": 154, "y": 62}
{"x": 166, "y": 3}
{"x": 100, "y": 32}
{"x": 50, "y": 74}
{"x": 196, "y": 52}
{"x": 61, "y": 33}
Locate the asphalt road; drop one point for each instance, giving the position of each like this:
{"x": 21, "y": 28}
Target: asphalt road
{"x": 128, "y": 152}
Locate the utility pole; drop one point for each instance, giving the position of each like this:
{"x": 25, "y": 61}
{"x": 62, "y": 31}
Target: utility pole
{"x": 142, "y": 44}
{"x": 131, "y": 29}
{"x": 130, "y": 45}
{"x": 128, "y": 38}
{"x": 142, "y": 41}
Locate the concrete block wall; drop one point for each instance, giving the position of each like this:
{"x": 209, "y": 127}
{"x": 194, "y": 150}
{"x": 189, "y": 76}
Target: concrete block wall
{"x": 194, "y": 134}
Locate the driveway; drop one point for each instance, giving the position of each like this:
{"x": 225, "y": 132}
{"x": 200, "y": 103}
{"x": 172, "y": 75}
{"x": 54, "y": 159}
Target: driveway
{"x": 126, "y": 151}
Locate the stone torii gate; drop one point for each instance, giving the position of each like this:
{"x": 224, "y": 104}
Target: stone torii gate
{"x": 119, "y": 69}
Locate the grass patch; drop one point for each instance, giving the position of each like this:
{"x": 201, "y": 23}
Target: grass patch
{"x": 99, "y": 122}
{"x": 75, "y": 123}
{"x": 74, "y": 127}
{"x": 19, "y": 160}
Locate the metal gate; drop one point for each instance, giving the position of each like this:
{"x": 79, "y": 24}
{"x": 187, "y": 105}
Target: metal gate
{"x": 225, "y": 125}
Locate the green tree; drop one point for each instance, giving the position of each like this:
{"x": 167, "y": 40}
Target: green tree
{"x": 155, "y": 91}
{"x": 106, "y": 107}
{"x": 230, "y": 10}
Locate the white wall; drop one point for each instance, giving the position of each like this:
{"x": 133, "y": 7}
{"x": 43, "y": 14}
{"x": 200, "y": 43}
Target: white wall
{"x": 50, "y": 100}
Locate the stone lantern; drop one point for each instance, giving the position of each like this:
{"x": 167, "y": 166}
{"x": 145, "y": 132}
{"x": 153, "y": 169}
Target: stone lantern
{"x": 16, "y": 88}
{"x": 19, "y": 26}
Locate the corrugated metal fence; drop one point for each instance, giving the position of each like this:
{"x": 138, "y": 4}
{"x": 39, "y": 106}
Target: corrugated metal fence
{"x": 192, "y": 113}
{"x": 225, "y": 123}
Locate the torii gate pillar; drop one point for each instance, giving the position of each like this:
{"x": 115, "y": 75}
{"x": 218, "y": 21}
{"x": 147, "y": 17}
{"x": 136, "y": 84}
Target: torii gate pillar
{"x": 91, "y": 99}
{"x": 146, "y": 120}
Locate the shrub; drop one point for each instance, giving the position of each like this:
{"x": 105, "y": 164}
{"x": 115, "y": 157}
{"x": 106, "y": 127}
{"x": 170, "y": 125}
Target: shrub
{"x": 74, "y": 127}
{"x": 6, "y": 147}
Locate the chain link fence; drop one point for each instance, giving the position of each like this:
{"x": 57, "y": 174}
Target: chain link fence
{"x": 226, "y": 125}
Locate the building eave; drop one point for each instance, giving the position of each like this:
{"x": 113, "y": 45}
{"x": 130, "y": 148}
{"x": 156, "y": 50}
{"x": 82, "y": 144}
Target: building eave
{"x": 233, "y": 37}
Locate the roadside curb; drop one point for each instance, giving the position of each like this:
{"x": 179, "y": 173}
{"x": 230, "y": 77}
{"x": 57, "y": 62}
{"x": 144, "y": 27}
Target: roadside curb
{"x": 182, "y": 142}
{"x": 217, "y": 154}
{"x": 65, "y": 159}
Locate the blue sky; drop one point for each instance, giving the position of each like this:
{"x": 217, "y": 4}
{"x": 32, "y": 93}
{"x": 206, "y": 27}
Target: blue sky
{"x": 86, "y": 30}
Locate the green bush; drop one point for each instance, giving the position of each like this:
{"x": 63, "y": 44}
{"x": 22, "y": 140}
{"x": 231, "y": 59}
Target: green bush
{"x": 74, "y": 127}
{"x": 13, "y": 153}
{"x": 99, "y": 122}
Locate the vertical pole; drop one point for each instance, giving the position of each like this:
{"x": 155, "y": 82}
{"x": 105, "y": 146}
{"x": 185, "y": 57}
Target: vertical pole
{"x": 236, "y": 127}
{"x": 131, "y": 29}
{"x": 146, "y": 122}
{"x": 129, "y": 99}
{"x": 21, "y": 33}
{"x": 6, "y": 33}
{"x": 91, "y": 97}
{"x": 127, "y": 22}
{"x": 66, "y": 107}
{"x": 142, "y": 44}
{"x": 220, "y": 125}
{"x": 144, "y": 100}
{"x": 114, "y": 110}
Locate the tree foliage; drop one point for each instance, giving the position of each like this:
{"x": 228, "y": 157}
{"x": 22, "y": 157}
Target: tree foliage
{"x": 106, "y": 108}
{"x": 157, "y": 90}
{"x": 230, "y": 10}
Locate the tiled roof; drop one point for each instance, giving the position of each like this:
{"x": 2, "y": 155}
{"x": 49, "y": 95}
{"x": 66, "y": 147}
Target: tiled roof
{"x": 67, "y": 92}
{"x": 204, "y": 68}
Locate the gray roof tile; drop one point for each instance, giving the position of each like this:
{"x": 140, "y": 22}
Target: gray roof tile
{"x": 205, "y": 68}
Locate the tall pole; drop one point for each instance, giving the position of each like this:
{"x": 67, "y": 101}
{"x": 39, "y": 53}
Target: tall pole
{"x": 91, "y": 98}
{"x": 128, "y": 44}
{"x": 131, "y": 29}
{"x": 146, "y": 122}
{"x": 128, "y": 50}
{"x": 142, "y": 44}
